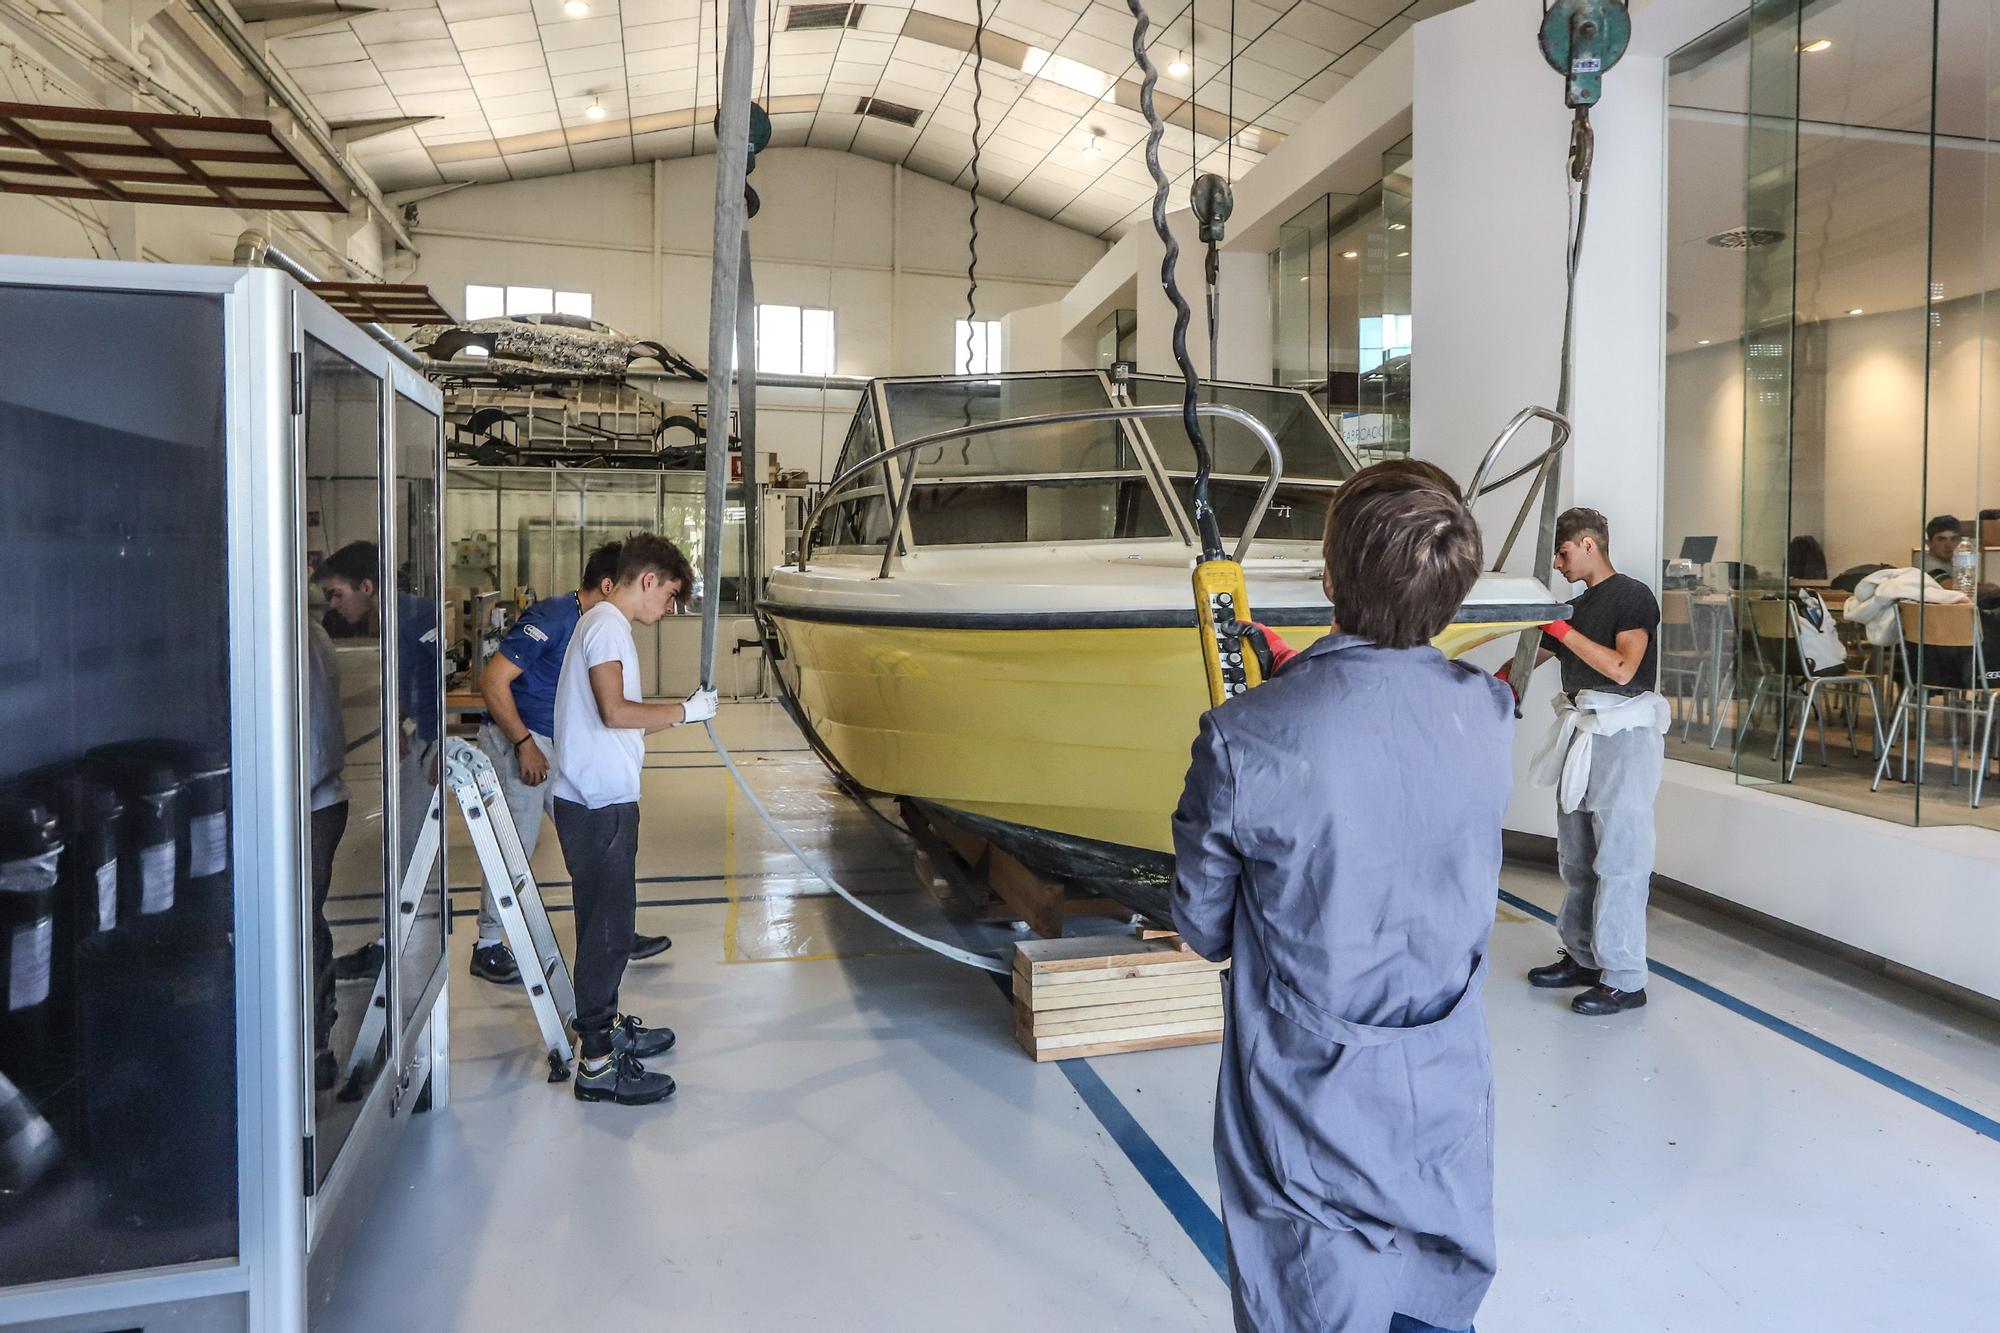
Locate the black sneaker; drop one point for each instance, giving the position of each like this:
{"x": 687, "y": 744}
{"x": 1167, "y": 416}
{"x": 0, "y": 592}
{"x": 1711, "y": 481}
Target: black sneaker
{"x": 622, "y": 1079}
{"x": 646, "y": 946}
{"x": 629, "y": 1034}
{"x": 1562, "y": 973}
{"x": 362, "y": 965}
{"x": 1599, "y": 1001}
{"x": 326, "y": 1071}
{"x": 495, "y": 962}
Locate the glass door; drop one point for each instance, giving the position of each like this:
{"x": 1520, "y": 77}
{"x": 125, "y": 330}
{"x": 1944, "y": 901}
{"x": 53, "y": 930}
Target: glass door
{"x": 419, "y": 721}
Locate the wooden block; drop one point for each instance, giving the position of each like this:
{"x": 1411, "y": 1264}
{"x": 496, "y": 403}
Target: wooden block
{"x": 1035, "y": 900}
{"x": 1080, "y": 997}
{"x": 1117, "y": 1017}
{"x": 1136, "y": 1032}
{"x": 1044, "y": 1055}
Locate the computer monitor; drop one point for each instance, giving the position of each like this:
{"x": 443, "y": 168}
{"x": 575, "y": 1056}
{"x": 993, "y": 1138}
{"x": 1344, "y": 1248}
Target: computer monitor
{"x": 1700, "y": 550}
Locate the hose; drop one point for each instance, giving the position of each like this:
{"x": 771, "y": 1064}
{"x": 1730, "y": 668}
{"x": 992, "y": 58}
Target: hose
{"x": 1206, "y": 526}
{"x": 972, "y": 242}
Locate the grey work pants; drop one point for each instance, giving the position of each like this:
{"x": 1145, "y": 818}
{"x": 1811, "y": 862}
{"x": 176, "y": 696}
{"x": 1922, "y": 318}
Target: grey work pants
{"x": 1605, "y": 851}
{"x": 602, "y": 849}
{"x": 525, "y": 803}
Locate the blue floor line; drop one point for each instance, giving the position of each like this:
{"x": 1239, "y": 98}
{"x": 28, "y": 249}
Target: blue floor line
{"x": 1188, "y": 1208}
{"x": 1928, "y": 1098}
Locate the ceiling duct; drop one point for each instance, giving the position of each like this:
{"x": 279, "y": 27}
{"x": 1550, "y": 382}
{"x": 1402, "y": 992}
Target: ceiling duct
{"x": 893, "y": 112}
{"x": 808, "y": 18}
{"x": 1746, "y": 238}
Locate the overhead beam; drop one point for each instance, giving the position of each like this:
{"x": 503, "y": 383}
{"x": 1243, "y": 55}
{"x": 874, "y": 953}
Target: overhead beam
{"x": 347, "y": 132}
{"x": 403, "y": 198}
{"x": 269, "y": 21}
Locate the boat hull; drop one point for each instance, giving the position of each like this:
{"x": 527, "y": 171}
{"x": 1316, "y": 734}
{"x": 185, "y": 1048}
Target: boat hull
{"x": 1074, "y": 729}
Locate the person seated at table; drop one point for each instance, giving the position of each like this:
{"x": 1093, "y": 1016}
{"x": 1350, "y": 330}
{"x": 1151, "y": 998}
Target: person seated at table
{"x": 1941, "y": 536}
{"x": 1805, "y": 558}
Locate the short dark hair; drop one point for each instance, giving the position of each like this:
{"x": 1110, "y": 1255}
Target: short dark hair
{"x": 356, "y": 562}
{"x": 646, "y": 553}
{"x": 602, "y": 565}
{"x": 1402, "y": 551}
{"x": 1942, "y": 523}
{"x": 1581, "y": 522}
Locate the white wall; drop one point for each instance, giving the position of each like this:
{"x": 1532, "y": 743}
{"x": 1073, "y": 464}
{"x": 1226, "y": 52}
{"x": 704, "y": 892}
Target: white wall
{"x": 885, "y": 249}
{"x": 1703, "y": 481}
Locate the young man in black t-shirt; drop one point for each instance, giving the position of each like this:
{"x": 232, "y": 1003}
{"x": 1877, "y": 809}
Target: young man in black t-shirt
{"x": 1610, "y": 653}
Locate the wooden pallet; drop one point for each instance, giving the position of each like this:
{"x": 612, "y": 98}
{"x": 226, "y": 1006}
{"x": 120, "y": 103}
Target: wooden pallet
{"x": 1107, "y": 994}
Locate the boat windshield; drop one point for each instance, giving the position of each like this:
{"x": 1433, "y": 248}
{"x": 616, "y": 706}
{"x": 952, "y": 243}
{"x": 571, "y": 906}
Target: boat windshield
{"x": 1310, "y": 449}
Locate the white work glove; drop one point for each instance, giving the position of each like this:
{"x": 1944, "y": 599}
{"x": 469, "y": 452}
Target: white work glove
{"x": 699, "y": 706}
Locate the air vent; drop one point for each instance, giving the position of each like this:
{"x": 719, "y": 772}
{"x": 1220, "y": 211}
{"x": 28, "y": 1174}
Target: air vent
{"x": 893, "y": 112}
{"x": 1746, "y": 238}
{"x": 806, "y": 18}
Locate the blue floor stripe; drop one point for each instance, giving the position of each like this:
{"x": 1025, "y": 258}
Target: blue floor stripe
{"x": 1927, "y": 1098}
{"x": 1189, "y": 1209}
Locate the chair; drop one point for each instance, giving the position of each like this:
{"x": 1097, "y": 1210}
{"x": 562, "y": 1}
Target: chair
{"x": 1783, "y": 676}
{"x": 1683, "y": 654}
{"x": 1950, "y": 653}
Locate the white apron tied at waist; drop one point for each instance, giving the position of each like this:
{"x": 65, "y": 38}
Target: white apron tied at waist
{"x": 1564, "y": 759}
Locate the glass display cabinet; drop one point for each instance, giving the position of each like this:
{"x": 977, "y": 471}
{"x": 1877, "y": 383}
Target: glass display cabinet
{"x": 221, "y": 697}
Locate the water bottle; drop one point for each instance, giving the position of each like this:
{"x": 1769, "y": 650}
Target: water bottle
{"x": 1965, "y": 566}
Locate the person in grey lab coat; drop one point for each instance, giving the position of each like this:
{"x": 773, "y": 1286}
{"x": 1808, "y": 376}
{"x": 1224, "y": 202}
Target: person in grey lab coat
{"x": 1338, "y": 841}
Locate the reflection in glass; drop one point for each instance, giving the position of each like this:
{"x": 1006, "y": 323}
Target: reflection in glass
{"x": 344, "y": 685}
{"x": 419, "y": 702}
{"x": 117, "y": 1008}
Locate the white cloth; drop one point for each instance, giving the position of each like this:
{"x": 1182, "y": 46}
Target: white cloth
{"x": 596, "y": 765}
{"x": 1873, "y": 605}
{"x": 1818, "y": 642}
{"x": 1564, "y": 759}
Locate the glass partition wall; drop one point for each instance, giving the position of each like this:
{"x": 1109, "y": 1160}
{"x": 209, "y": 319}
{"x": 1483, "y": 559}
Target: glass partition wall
{"x": 1833, "y": 404}
{"x": 1340, "y": 301}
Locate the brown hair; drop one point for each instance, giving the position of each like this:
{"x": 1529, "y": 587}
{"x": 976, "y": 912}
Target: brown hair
{"x": 1580, "y": 522}
{"x": 646, "y": 553}
{"x": 1402, "y": 551}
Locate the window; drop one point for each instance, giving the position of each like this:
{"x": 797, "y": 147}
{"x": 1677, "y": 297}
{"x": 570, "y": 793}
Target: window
{"x": 795, "y": 340}
{"x": 975, "y": 347}
{"x": 482, "y": 302}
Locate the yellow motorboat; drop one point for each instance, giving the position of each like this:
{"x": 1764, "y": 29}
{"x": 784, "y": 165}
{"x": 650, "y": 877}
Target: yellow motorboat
{"x": 1000, "y": 623}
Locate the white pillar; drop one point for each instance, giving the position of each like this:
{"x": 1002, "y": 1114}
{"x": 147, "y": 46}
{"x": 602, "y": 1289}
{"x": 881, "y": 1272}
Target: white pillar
{"x": 1244, "y": 287}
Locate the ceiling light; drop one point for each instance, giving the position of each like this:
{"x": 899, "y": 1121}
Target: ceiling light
{"x": 595, "y": 110}
{"x": 1399, "y": 226}
{"x": 1813, "y": 48}
{"x": 1095, "y": 147}
{"x": 1071, "y": 74}
{"x": 1701, "y": 342}
{"x": 1402, "y": 254}
{"x": 1350, "y": 254}
{"x": 1180, "y": 68}
{"x": 576, "y": 9}
{"x": 1855, "y": 311}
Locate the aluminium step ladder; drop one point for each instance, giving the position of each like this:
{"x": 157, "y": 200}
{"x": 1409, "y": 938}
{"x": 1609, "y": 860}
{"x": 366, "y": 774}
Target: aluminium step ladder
{"x": 516, "y": 898}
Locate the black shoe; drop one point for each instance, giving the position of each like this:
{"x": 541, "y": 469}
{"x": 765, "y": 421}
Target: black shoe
{"x": 326, "y": 1072}
{"x": 621, "y": 1079}
{"x": 646, "y": 946}
{"x": 1563, "y": 972}
{"x": 1601, "y": 1000}
{"x": 364, "y": 964}
{"x": 495, "y": 962}
{"x": 629, "y": 1034}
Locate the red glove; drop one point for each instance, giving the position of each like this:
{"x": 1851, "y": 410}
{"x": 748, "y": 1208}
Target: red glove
{"x": 1281, "y": 652}
{"x": 1557, "y": 630}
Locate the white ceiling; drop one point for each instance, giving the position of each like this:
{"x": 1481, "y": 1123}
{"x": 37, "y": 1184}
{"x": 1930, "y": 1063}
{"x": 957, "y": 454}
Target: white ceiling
{"x": 1868, "y": 235}
{"x": 508, "y": 83}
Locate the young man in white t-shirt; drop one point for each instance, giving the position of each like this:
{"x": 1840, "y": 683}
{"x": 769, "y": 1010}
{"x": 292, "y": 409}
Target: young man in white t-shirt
{"x": 601, "y": 724}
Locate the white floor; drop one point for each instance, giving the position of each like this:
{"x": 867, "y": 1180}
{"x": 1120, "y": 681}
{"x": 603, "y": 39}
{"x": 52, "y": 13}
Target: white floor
{"x": 858, "y": 1144}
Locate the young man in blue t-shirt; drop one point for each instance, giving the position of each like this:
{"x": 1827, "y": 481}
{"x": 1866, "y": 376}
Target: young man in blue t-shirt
{"x": 519, "y": 687}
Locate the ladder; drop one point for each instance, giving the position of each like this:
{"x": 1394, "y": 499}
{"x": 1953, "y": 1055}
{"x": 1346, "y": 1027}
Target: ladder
{"x": 515, "y": 896}
{"x": 544, "y": 974}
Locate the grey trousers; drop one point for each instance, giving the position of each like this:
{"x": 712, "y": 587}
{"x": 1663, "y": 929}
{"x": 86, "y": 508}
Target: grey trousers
{"x": 602, "y": 849}
{"x": 525, "y": 803}
{"x": 1605, "y": 851}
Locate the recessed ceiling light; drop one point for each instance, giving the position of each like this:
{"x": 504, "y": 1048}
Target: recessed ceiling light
{"x": 1179, "y": 69}
{"x": 576, "y": 9}
{"x": 1855, "y": 311}
{"x": 1402, "y": 254}
{"x": 1701, "y": 342}
{"x": 1818, "y": 45}
{"x": 1399, "y": 226}
{"x": 1350, "y": 254}
{"x": 1304, "y": 276}
{"x": 595, "y": 110}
